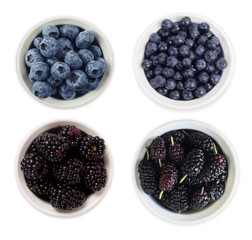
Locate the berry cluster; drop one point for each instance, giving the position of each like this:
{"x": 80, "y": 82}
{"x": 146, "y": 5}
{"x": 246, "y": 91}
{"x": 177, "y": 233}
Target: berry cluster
{"x": 64, "y": 166}
{"x": 183, "y": 60}
{"x": 183, "y": 170}
{"x": 65, "y": 62}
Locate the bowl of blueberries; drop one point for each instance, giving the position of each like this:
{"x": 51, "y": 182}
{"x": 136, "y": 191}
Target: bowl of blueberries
{"x": 65, "y": 62}
{"x": 184, "y": 61}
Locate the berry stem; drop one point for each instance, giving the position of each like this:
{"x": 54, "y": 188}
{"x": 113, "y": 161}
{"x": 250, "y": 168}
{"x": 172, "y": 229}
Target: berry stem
{"x": 172, "y": 141}
{"x": 202, "y": 190}
{"x": 147, "y": 153}
{"x": 215, "y": 149}
{"x": 160, "y": 195}
{"x": 185, "y": 132}
{"x": 218, "y": 181}
{"x": 183, "y": 178}
{"x": 160, "y": 163}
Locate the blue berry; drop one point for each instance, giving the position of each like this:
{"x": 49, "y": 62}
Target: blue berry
{"x": 49, "y": 47}
{"x": 73, "y": 59}
{"x": 215, "y": 78}
{"x": 185, "y": 21}
{"x": 66, "y": 92}
{"x": 161, "y": 58}
{"x": 163, "y": 91}
{"x": 186, "y": 62}
{"x": 158, "y": 70}
{"x": 32, "y": 56}
{"x": 177, "y": 76}
{"x": 200, "y": 50}
{"x": 155, "y": 37}
{"x": 51, "y": 61}
{"x": 94, "y": 69}
{"x": 86, "y": 56}
{"x": 187, "y": 95}
{"x": 60, "y": 70}
{"x": 158, "y": 81}
{"x": 92, "y": 84}
{"x": 103, "y": 61}
{"x": 175, "y": 95}
{"x": 42, "y": 89}
{"x": 200, "y": 64}
{"x": 167, "y": 25}
{"x": 176, "y": 28}
{"x": 39, "y": 71}
{"x": 171, "y": 61}
{"x": 96, "y": 50}
{"x": 54, "y": 82}
{"x": 151, "y": 47}
{"x": 210, "y": 68}
{"x": 163, "y": 47}
{"x": 170, "y": 84}
{"x": 36, "y": 42}
{"x": 202, "y": 40}
{"x": 65, "y": 45}
{"x": 212, "y": 43}
{"x": 204, "y": 27}
{"x": 184, "y": 51}
{"x": 77, "y": 80}
{"x": 194, "y": 31}
{"x": 190, "y": 84}
{"x": 179, "y": 40}
{"x": 168, "y": 72}
{"x": 203, "y": 77}
{"x": 189, "y": 42}
{"x": 221, "y": 63}
{"x": 173, "y": 51}
{"x": 31, "y": 79}
{"x": 84, "y": 39}
{"x": 146, "y": 64}
{"x": 50, "y": 31}
{"x": 208, "y": 86}
{"x": 200, "y": 92}
{"x": 188, "y": 73}
{"x": 180, "y": 85}
{"x": 69, "y": 31}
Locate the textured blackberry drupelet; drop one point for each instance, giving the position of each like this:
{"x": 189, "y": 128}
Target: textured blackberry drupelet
{"x": 164, "y": 201}
{"x": 176, "y": 152}
{"x": 179, "y": 199}
{"x": 215, "y": 192}
{"x": 51, "y": 146}
{"x": 199, "y": 199}
{"x": 148, "y": 176}
{"x": 214, "y": 169}
{"x": 168, "y": 178}
{"x": 94, "y": 176}
{"x": 178, "y": 136}
{"x": 157, "y": 150}
{"x": 69, "y": 171}
{"x": 92, "y": 148}
{"x": 34, "y": 166}
{"x": 223, "y": 177}
{"x": 66, "y": 197}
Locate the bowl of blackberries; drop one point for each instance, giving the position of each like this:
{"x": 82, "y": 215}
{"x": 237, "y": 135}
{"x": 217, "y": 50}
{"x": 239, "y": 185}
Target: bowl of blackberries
{"x": 186, "y": 172}
{"x": 65, "y": 62}
{"x": 184, "y": 61}
{"x": 64, "y": 168}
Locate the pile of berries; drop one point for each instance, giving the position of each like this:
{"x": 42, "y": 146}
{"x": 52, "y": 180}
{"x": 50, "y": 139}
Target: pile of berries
{"x": 64, "y": 62}
{"x": 64, "y": 166}
{"x": 183, "y": 60}
{"x": 183, "y": 170}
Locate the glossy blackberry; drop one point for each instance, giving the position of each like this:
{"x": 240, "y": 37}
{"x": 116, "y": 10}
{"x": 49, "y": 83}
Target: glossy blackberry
{"x": 94, "y": 176}
{"x": 92, "y": 148}
{"x": 179, "y": 199}
{"x": 51, "y": 146}
{"x": 34, "y": 166}
{"x": 176, "y": 152}
{"x": 178, "y": 136}
{"x": 157, "y": 150}
{"x": 199, "y": 199}
{"x": 192, "y": 181}
{"x": 215, "y": 192}
{"x": 69, "y": 171}
{"x": 66, "y": 197}
{"x": 148, "y": 176}
{"x": 165, "y": 199}
{"x": 223, "y": 177}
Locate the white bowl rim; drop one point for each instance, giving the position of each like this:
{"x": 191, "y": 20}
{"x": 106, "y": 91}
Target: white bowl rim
{"x": 211, "y": 96}
{"x": 210, "y": 211}
{"x": 44, "y": 206}
{"x": 107, "y": 51}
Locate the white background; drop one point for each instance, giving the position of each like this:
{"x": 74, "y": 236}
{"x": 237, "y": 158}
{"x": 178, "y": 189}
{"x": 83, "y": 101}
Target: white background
{"x": 124, "y": 115}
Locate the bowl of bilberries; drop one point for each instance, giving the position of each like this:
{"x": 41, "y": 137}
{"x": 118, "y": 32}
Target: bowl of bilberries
{"x": 184, "y": 61}
{"x": 65, "y": 62}
{"x": 186, "y": 171}
{"x": 64, "y": 168}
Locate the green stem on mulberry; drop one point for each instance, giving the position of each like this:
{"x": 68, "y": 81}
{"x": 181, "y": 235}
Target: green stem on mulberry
{"x": 160, "y": 195}
{"x": 172, "y": 141}
{"x": 202, "y": 190}
{"x": 185, "y": 132}
{"x": 160, "y": 163}
{"x": 218, "y": 181}
{"x": 215, "y": 149}
{"x": 147, "y": 153}
{"x": 182, "y": 179}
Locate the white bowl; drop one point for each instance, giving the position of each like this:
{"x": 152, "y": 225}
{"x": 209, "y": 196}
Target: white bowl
{"x": 180, "y": 104}
{"x": 212, "y": 209}
{"x": 82, "y": 23}
{"x": 44, "y": 206}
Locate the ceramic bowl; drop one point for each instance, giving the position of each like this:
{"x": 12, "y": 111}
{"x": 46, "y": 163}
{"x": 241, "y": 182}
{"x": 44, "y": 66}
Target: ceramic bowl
{"x": 44, "y": 206}
{"x": 82, "y": 23}
{"x": 212, "y": 209}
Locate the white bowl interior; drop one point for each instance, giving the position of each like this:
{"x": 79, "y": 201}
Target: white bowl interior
{"x": 212, "y": 209}
{"x": 103, "y": 41}
{"x": 180, "y": 104}
{"x": 44, "y": 206}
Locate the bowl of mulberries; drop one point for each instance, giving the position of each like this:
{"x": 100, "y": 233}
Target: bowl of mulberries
{"x": 64, "y": 168}
{"x": 184, "y": 61}
{"x": 65, "y": 62}
{"x": 186, "y": 172}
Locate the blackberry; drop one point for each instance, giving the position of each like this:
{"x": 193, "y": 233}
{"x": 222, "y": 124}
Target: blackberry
{"x": 66, "y": 197}
{"x": 199, "y": 199}
{"x": 157, "y": 150}
{"x": 34, "y": 166}
{"x": 51, "y": 146}
{"x": 214, "y": 169}
{"x": 179, "y": 199}
{"x": 192, "y": 181}
{"x": 94, "y": 176}
{"x": 178, "y": 136}
{"x": 164, "y": 201}
{"x": 176, "y": 152}
{"x": 92, "y": 148}
{"x": 215, "y": 192}
{"x": 69, "y": 171}
{"x": 223, "y": 177}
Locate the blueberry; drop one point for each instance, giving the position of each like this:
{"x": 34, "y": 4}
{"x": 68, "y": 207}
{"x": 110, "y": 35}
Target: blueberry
{"x": 215, "y": 78}
{"x": 39, "y": 71}
{"x": 65, "y": 45}
{"x": 210, "y": 68}
{"x": 170, "y": 40}
{"x": 221, "y": 63}
{"x": 50, "y": 31}
{"x": 189, "y": 42}
{"x": 66, "y": 92}
{"x": 146, "y": 64}
{"x": 49, "y": 47}
{"x": 168, "y": 72}
{"x": 161, "y": 58}
{"x": 149, "y": 74}
{"x": 167, "y": 25}
{"x": 163, "y": 47}
{"x": 202, "y": 40}
{"x": 36, "y": 41}
{"x": 32, "y": 56}
{"x": 204, "y": 27}
{"x": 163, "y": 34}
{"x": 42, "y": 89}
{"x": 184, "y": 51}
{"x": 188, "y": 73}
{"x": 54, "y": 82}
{"x": 182, "y": 34}
{"x": 77, "y": 80}
{"x": 158, "y": 70}
{"x": 200, "y": 64}
{"x": 194, "y": 31}
{"x": 151, "y": 47}
{"x": 170, "y": 84}
{"x": 203, "y": 77}
{"x": 179, "y": 40}
{"x": 177, "y": 76}
{"x": 153, "y": 58}
{"x": 186, "y": 62}
{"x": 163, "y": 91}
{"x": 96, "y": 50}
{"x": 218, "y": 50}
{"x": 92, "y": 84}
{"x": 174, "y": 95}
{"x": 84, "y": 39}
{"x": 210, "y": 56}
{"x": 173, "y": 51}
{"x": 200, "y": 91}
{"x": 208, "y": 86}
{"x": 86, "y": 56}
{"x": 187, "y": 95}
{"x": 185, "y": 21}
{"x": 60, "y": 70}
{"x": 157, "y": 81}
{"x": 73, "y": 59}
{"x": 69, "y": 31}
{"x": 193, "y": 55}
{"x": 212, "y": 43}
{"x": 94, "y": 69}
{"x": 103, "y": 61}
{"x": 51, "y": 61}
{"x": 176, "y": 28}
{"x": 200, "y": 50}
{"x": 171, "y": 61}
{"x": 180, "y": 85}
{"x": 31, "y": 79}
{"x": 155, "y": 37}
{"x": 190, "y": 84}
